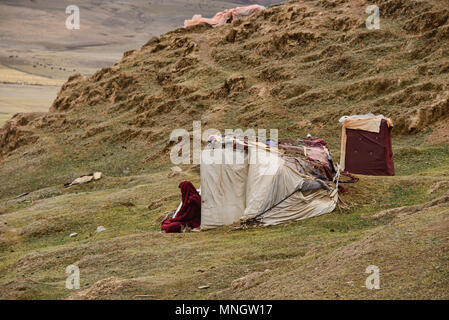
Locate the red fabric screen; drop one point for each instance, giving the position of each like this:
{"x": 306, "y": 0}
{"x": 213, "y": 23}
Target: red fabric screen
{"x": 370, "y": 153}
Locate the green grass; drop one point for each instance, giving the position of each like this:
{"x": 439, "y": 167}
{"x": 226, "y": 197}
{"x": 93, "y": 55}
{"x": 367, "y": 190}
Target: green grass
{"x": 423, "y": 160}
{"x": 173, "y": 266}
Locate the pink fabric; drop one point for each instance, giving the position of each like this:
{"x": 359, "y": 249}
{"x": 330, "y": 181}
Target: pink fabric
{"x": 318, "y": 154}
{"x": 226, "y": 16}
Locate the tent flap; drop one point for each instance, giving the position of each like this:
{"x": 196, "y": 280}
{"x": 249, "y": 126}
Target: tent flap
{"x": 223, "y": 191}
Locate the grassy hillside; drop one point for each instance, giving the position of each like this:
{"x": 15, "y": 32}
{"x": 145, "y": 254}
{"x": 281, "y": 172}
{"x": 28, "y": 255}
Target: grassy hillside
{"x": 323, "y": 257}
{"x": 298, "y": 67}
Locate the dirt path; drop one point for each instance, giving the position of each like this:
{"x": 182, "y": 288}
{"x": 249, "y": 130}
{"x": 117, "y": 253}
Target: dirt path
{"x": 204, "y": 53}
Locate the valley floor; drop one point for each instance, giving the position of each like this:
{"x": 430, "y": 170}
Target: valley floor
{"x": 16, "y": 98}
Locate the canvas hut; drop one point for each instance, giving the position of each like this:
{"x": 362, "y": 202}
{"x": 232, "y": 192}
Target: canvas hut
{"x": 264, "y": 186}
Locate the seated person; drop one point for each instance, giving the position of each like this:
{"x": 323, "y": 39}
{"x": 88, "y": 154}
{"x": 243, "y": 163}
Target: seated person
{"x": 190, "y": 213}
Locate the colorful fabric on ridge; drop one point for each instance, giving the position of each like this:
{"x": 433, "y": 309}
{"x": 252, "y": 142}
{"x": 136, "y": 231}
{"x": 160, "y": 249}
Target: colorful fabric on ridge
{"x": 225, "y": 16}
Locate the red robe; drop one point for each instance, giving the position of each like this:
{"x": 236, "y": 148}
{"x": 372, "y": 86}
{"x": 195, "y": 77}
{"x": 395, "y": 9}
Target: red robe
{"x": 190, "y": 212}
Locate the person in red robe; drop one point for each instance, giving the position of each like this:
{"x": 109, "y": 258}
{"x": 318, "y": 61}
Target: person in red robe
{"x": 190, "y": 212}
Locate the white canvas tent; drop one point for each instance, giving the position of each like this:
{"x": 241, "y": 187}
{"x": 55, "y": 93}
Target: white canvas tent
{"x": 262, "y": 187}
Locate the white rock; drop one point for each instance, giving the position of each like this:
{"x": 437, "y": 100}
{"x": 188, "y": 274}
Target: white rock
{"x": 204, "y": 287}
{"x": 97, "y": 175}
{"x": 73, "y": 235}
{"x": 101, "y": 229}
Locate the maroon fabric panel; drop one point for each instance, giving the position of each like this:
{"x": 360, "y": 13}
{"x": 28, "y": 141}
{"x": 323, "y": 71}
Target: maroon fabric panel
{"x": 370, "y": 153}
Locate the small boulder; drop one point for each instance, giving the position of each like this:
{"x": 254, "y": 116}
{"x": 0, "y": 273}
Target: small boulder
{"x": 100, "y": 229}
{"x": 97, "y": 175}
{"x": 204, "y": 287}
